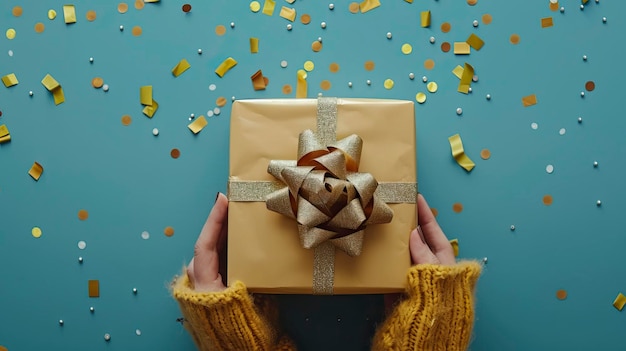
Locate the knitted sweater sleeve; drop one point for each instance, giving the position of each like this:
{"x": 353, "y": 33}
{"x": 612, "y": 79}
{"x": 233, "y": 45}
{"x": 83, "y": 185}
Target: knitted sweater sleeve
{"x": 438, "y": 312}
{"x": 228, "y": 320}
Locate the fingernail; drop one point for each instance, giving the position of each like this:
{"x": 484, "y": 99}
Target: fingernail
{"x": 217, "y": 196}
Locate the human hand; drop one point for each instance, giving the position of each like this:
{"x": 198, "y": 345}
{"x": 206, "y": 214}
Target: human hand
{"x": 428, "y": 243}
{"x": 205, "y": 271}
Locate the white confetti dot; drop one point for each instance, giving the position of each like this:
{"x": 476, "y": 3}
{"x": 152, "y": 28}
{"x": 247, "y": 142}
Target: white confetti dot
{"x": 323, "y": 25}
{"x": 155, "y": 131}
{"x": 283, "y": 64}
{"x": 11, "y": 53}
{"x": 389, "y": 35}
{"x": 411, "y": 75}
{"x": 459, "y": 111}
{"x": 199, "y": 51}
{"x": 212, "y": 87}
{"x": 595, "y": 163}
{"x": 121, "y": 27}
{"x": 105, "y": 87}
{"x": 82, "y": 245}
{"x": 431, "y": 40}
{"x": 145, "y": 235}
{"x": 424, "y": 79}
{"x": 289, "y": 26}
{"x": 107, "y": 336}
{"x": 475, "y": 23}
{"x": 138, "y": 332}
{"x": 534, "y": 126}
{"x": 331, "y": 6}
{"x": 562, "y": 131}
{"x": 549, "y": 169}
{"x": 209, "y": 113}
{"x": 216, "y": 111}
{"x": 350, "y": 84}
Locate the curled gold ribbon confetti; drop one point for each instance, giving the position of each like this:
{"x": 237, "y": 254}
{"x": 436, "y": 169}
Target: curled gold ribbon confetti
{"x": 225, "y": 66}
{"x": 466, "y": 78}
{"x": 180, "y": 67}
{"x": 5, "y": 136}
{"x": 55, "y": 88}
{"x": 10, "y": 80}
{"x": 456, "y": 144}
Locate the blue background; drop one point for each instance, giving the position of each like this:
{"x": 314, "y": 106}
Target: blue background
{"x": 124, "y": 176}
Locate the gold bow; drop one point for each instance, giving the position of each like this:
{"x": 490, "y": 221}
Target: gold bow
{"x": 326, "y": 195}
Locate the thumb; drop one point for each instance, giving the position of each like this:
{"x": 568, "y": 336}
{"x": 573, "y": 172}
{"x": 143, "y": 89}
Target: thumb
{"x": 420, "y": 252}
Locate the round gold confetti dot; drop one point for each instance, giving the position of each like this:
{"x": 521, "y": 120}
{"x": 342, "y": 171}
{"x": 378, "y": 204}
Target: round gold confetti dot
{"x": 39, "y": 27}
{"x": 334, "y": 67}
{"x": 17, "y": 11}
{"x": 325, "y": 85}
{"x": 139, "y": 4}
{"x": 126, "y": 120}
{"x": 52, "y": 14}
{"x": 472, "y": 2}
{"x": 287, "y": 89}
{"x": 122, "y": 7}
{"x": 91, "y": 15}
{"x": 445, "y": 27}
{"x": 97, "y": 82}
{"x": 445, "y": 46}
{"x": 457, "y": 207}
{"x": 137, "y": 31}
{"x": 514, "y": 39}
{"x": 434, "y": 211}
{"x": 547, "y": 200}
{"x": 186, "y": 8}
{"x": 83, "y": 215}
{"x": 354, "y": 7}
{"x": 369, "y": 65}
{"x": 175, "y": 153}
{"x": 305, "y": 19}
{"x": 561, "y": 294}
{"x": 221, "y": 101}
{"x": 407, "y": 49}
{"x": 36, "y": 232}
{"x": 432, "y": 87}
{"x": 420, "y": 97}
{"x": 309, "y": 66}
{"x": 590, "y": 85}
{"x": 487, "y": 18}
{"x": 554, "y": 6}
{"x": 388, "y": 84}
{"x": 485, "y": 154}
{"x": 429, "y": 64}
{"x": 168, "y": 231}
{"x": 316, "y": 46}
{"x": 2, "y": 348}
{"x": 10, "y": 33}
{"x": 220, "y": 30}
{"x": 255, "y": 6}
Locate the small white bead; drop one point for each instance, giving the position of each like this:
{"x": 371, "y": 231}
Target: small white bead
{"x": 192, "y": 115}
{"x": 105, "y": 87}
{"x": 512, "y": 227}
{"x": 319, "y": 39}
{"x": 411, "y": 76}
{"x": 216, "y": 111}
{"x": 598, "y": 203}
{"x": 549, "y": 169}
{"x": 475, "y": 23}
{"x": 488, "y": 96}
{"x": 424, "y": 79}
{"x": 134, "y": 290}
{"x": 485, "y": 260}
{"x": 121, "y": 28}
{"x": 30, "y": 93}
{"x": 331, "y": 6}
{"x": 232, "y": 24}
{"x": 289, "y": 26}
{"x": 155, "y": 131}
{"x": 199, "y": 51}
{"x": 562, "y": 9}
{"x": 350, "y": 84}
{"x": 320, "y": 94}
{"x": 474, "y": 78}
{"x": 232, "y": 98}
{"x": 107, "y": 337}
{"x": 582, "y": 7}
{"x": 584, "y": 57}
{"x": 595, "y": 163}
{"x": 431, "y": 40}
{"x": 597, "y": 1}
{"x": 459, "y": 111}
{"x": 80, "y": 260}
{"x": 582, "y": 94}
{"x": 138, "y": 332}
{"x": 580, "y": 120}
{"x": 91, "y": 59}
{"x": 604, "y": 19}
{"x": 61, "y": 322}
{"x": 389, "y": 35}
{"x": 469, "y": 90}
{"x": 283, "y": 64}
{"x": 91, "y": 309}
{"x": 323, "y": 25}
{"x": 369, "y": 82}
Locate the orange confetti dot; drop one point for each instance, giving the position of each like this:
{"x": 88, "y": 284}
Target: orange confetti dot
{"x": 122, "y": 7}
{"x": 126, "y": 120}
{"x": 287, "y": 89}
{"x": 334, "y": 67}
{"x": 17, "y": 11}
{"x": 590, "y": 85}
{"x": 83, "y": 215}
{"x": 316, "y": 46}
{"x": 487, "y": 18}
{"x": 445, "y": 27}
{"x": 547, "y": 200}
{"x": 91, "y": 15}
{"x": 97, "y": 82}
{"x": 305, "y": 19}
{"x": 369, "y": 65}
{"x": 186, "y": 8}
{"x": 554, "y": 6}
{"x": 561, "y": 294}
{"x": 445, "y": 46}
{"x": 429, "y": 64}
{"x": 139, "y": 4}
{"x": 485, "y": 154}
{"x": 2, "y": 348}
{"x": 39, "y": 27}
{"x": 221, "y": 101}
{"x": 175, "y": 153}
{"x": 325, "y": 85}
{"x": 137, "y": 31}
{"x": 457, "y": 207}
{"x": 434, "y": 211}
{"x": 514, "y": 39}
{"x": 472, "y": 2}
{"x": 168, "y": 231}
{"x": 220, "y": 30}
{"x": 354, "y": 7}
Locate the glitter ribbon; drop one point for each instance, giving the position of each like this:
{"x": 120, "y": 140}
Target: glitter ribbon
{"x": 324, "y": 192}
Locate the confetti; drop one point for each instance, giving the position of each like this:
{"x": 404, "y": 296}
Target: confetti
{"x": 126, "y": 120}
{"x": 425, "y": 19}
{"x": 333, "y": 67}
{"x": 17, "y": 11}
{"x": 258, "y": 81}
{"x": 529, "y": 100}
{"x": 456, "y": 145}
{"x": 52, "y": 14}
{"x": 465, "y": 79}
{"x": 369, "y": 65}
{"x": 145, "y": 235}
{"x": 475, "y": 42}
{"x": 590, "y": 85}
{"x": 186, "y": 8}
{"x": 54, "y": 87}
{"x": 91, "y": 15}
{"x": 180, "y": 67}
{"x": 10, "y": 80}
{"x": 145, "y": 95}
{"x": 472, "y": 2}
{"x": 420, "y": 97}
{"x": 429, "y": 64}
{"x": 461, "y": 48}
{"x": 225, "y": 66}
{"x": 546, "y": 22}
{"x": 286, "y": 89}
{"x": 69, "y": 14}
{"x": 561, "y": 294}
{"x": 168, "y": 231}
{"x": 305, "y": 19}
{"x": 514, "y": 39}
{"x": 255, "y": 6}
{"x": 619, "y": 301}
{"x": 35, "y": 171}
{"x": 82, "y": 245}
{"x": 288, "y": 13}
{"x": 5, "y": 136}
{"x": 10, "y": 33}
{"x": 39, "y": 27}
{"x": 487, "y": 18}
{"x": 368, "y": 5}
{"x": 547, "y": 200}
{"x": 137, "y": 31}
{"x": 94, "y": 288}
{"x": 309, "y": 66}
{"x": 407, "y": 49}
{"x": 97, "y": 82}
{"x": 354, "y": 7}
{"x": 83, "y": 214}
{"x": 445, "y": 27}
{"x": 268, "y": 7}
{"x": 445, "y": 46}
{"x": 301, "y": 84}
{"x": 485, "y": 154}
{"x": 221, "y": 101}
{"x": 325, "y": 85}
{"x": 388, "y": 84}
{"x": 554, "y": 5}
{"x": 122, "y": 7}
{"x": 139, "y": 4}
{"x": 457, "y": 207}
{"x": 455, "y": 246}
{"x": 432, "y": 87}
{"x": 316, "y": 46}
{"x": 254, "y": 45}
{"x": 198, "y": 124}
{"x": 175, "y": 153}
{"x": 36, "y": 232}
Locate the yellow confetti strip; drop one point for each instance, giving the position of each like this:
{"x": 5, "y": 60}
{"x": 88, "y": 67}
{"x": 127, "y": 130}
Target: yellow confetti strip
{"x": 52, "y": 14}
{"x": 36, "y": 232}
{"x": 301, "y": 84}
{"x": 35, "y": 171}
{"x": 151, "y": 109}
{"x": 407, "y": 49}
{"x": 546, "y": 22}
{"x": 180, "y": 67}
{"x": 5, "y": 136}
{"x": 432, "y": 87}
{"x": 55, "y": 88}
{"x": 388, "y": 84}
{"x": 420, "y": 97}
{"x": 458, "y": 71}
{"x": 529, "y": 100}
{"x": 258, "y": 81}
{"x": 255, "y": 6}
{"x": 309, "y": 66}
{"x": 461, "y": 48}
{"x": 368, "y": 5}
{"x": 268, "y": 7}
{"x": 197, "y": 125}
{"x": 466, "y": 79}
{"x": 456, "y": 145}
{"x": 145, "y": 95}
{"x": 225, "y": 66}
{"x": 10, "y": 33}
{"x": 58, "y": 95}
{"x": 94, "y": 288}
{"x": 425, "y": 18}
{"x": 475, "y": 42}
{"x": 69, "y": 14}
{"x": 455, "y": 246}
{"x": 288, "y": 13}
{"x": 10, "y": 80}
{"x": 620, "y": 301}
{"x": 254, "y": 45}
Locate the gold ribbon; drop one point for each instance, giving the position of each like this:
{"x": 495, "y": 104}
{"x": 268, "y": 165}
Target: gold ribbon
{"x": 330, "y": 200}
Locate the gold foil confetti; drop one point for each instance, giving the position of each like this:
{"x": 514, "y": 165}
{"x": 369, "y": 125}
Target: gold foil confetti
{"x": 137, "y": 31}
{"x": 220, "y": 30}
{"x": 150, "y": 110}
{"x": 220, "y": 101}
{"x": 145, "y": 95}
{"x": 425, "y": 19}
{"x": 420, "y": 97}
{"x": 17, "y": 11}
{"x": 126, "y": 120}
{"x": 83, "y": 214}
{"x": 305, "y": 19}
{"x": 325, "y": 84}
{"x": 255, "y": 6}
{"x": 35, "y": 171}
{"x": 619, "y": 301}
{"x": 197, "y": 125}
{"x": 561, "y": 294}
{"x": 456, "y": 145}
{"x": 180, "y": 67}
{"x": 485, "y": 154}
{"x": 457, "y": 207}
{"x": 268, "y": 7}
{"x": 529, "y": 100}
{"x": 39, "y": 27}
{"x": 316, "y": 46}
{"x": 369, "y": 65}
{"x": 58, "y": 95}
{"x": 368, "y": 5}
{"x": 254, "y": 45}
{"x": 5, "y": 136}
{"x": 225, "y": 66}
{"x": 10, "y": 80}
{"x": 475, "y": 42}
{"x": 487, "y": 18}
{"x": 388, "y": 84}
{"x": 354, "y": 7}
{"x": 514, "y": 39}
{"x": 547, "y": 200}
{"x": 94, "y": 288}
{"x": 407, "y": 48}
{"x": 97, "y": 82}
{"x": 91, "y": 15}
{"x": 52, "y": 14}
{"x": 465, "y": 79}
{"x": 429, "y": 64}
{"x": 258, "y": 83}
{"x": 333, "y": 67}
{"x": 432, "y": 87}
{"x": 139, "y": 4}
{"x": 10, "y": 33}
{"x": 122, "y": 7}
{"x": 36, "y": 232}
{"x": 445, "y": 27}
{"x": 288, "y": 13}
{"x": 309, "y": 66}
{"x": 301, "y": 84}
{"x": 455, "y": 246}
{"x": 546, "y": 22}
{"x": 50, "y": 83}
{"x": 461, "y": 48}
{"x": 168, "y": 231}
{"x": 287, "y": 89}
{"x": 69, "y": 14}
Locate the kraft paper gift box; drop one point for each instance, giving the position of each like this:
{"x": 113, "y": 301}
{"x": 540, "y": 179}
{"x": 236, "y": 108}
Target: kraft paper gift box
{"x": 264, "y": 247}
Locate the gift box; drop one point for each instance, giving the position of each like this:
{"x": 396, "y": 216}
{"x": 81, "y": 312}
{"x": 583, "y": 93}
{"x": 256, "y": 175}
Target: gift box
{"x": 322, "y": 195}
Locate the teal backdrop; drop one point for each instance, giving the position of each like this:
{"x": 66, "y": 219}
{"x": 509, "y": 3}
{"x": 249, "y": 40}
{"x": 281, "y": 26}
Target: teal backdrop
{"x": 132, "y": 189}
